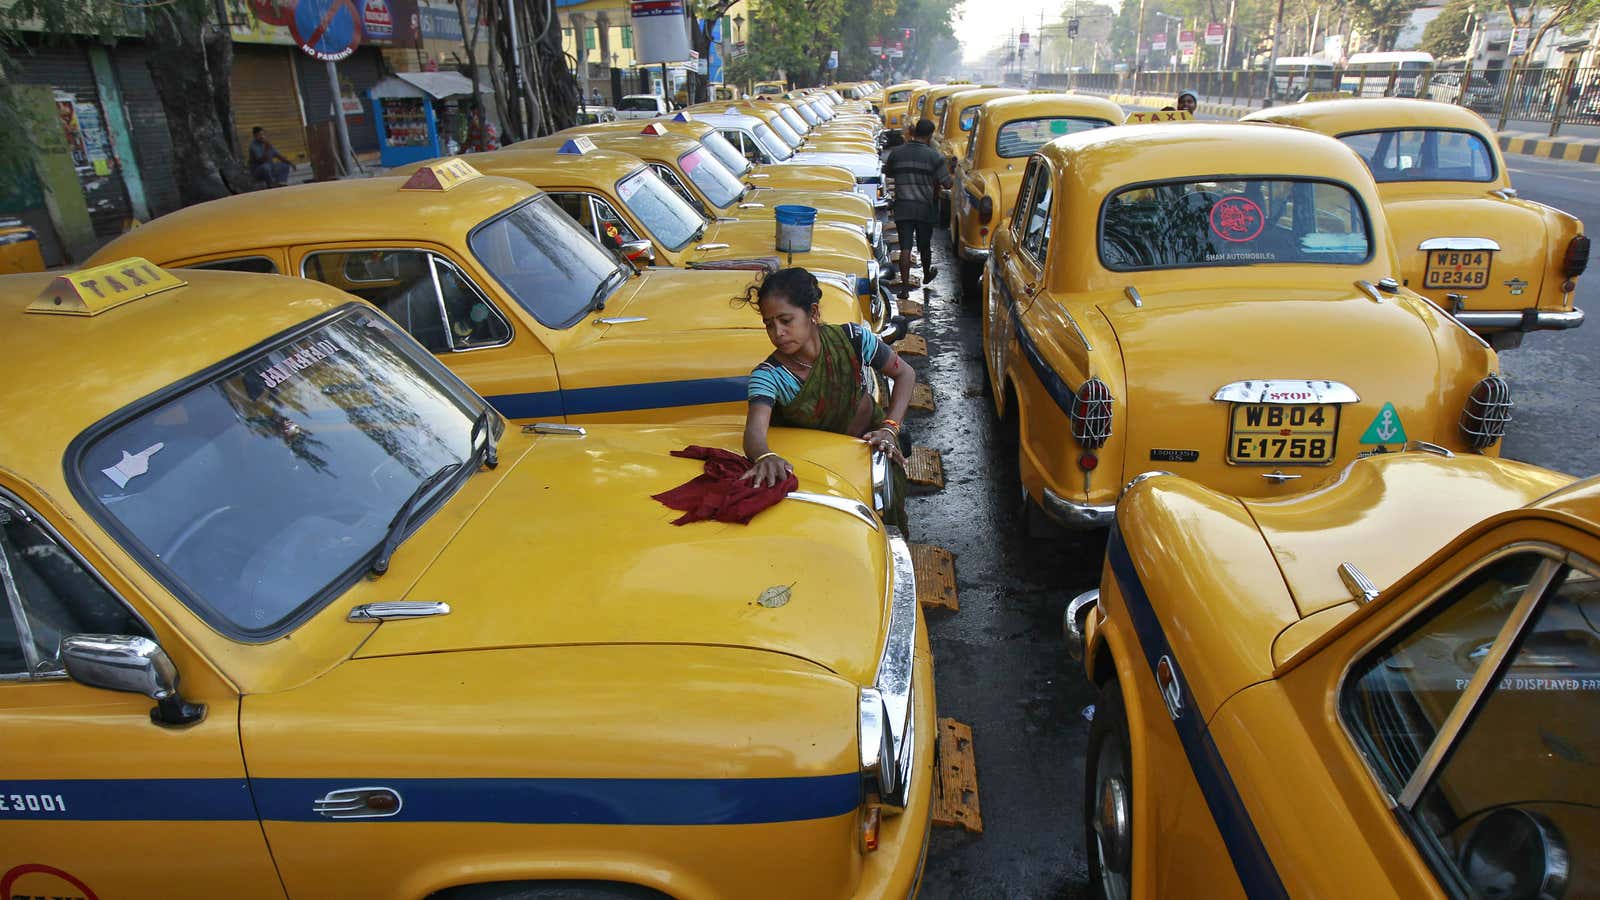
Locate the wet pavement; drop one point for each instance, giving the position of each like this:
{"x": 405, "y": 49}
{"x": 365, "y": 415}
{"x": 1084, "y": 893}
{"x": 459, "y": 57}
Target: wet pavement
{"x": 1000, "y": 665}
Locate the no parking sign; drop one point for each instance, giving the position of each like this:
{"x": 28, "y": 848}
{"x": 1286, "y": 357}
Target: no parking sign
{"x": 329, "y": 30}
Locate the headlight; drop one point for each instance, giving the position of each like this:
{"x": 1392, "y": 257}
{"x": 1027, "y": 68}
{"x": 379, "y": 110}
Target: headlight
{"x": 886, "y": 720}
{"x": 878, "y": 772}
{"x": 1487, "y": 412}
{"x": 1091, "y": 414}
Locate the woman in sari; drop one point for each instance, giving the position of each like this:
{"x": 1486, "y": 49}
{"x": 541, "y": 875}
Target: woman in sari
{"x": 815, "y": 378}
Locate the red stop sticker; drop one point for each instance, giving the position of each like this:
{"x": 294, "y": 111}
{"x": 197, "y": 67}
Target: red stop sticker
{"x": 1237, "y": 219}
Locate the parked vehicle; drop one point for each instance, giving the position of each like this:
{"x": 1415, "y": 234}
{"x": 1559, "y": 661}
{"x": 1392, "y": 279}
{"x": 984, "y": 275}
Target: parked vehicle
{"x": 642, "y": 106}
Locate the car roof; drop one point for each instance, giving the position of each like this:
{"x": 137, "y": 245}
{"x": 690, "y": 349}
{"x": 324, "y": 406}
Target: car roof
{"x": 1364, "y": 114}
{"x": 548, "y": 165}
{"x": 983, "y": 95}
{"x": 1581, "y": 500}
{"x": 649, "y": 146}
{"x": 351, "y": 210}
{"x": 67, "y": 372}
{"x": 1103, "y": 159}
{"x": 1024, "y": 105}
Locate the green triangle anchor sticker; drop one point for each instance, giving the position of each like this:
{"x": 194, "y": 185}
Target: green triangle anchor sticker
{"x": 1386, "y": 428}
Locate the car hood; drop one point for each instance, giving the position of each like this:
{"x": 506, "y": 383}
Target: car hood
{"x": 1519, "y": 227}
{"x": 861, "y": 165}
{"x": 1181, "y": 347}
{"x": 680, "y": 300}
{"x": 834, "y": 248}
{"x": 571, "y": 549}
{"x": 834, "y": 204}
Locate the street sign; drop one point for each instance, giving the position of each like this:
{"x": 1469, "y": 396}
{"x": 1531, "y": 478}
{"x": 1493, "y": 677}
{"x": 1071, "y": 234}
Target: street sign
{"x": 1023, "y": 40}
{"x": 833, "y": 60}
{"x": 1214, "y": 33}
{"x": 1158, "y": 41}
{"x": 329, "y": 30}
{"x": 897, "y": 51}
{"x": 660, "y": 31}
{"x": 875, "y": 46}
{"x": 1519, "y": 42}
{"x": 1186, "y": 41}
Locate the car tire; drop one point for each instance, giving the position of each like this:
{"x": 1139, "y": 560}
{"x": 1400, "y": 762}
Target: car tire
{"x": 971, "y": 286}
{"x": 549, "y": 890}
{"x": 1109, "y": 759}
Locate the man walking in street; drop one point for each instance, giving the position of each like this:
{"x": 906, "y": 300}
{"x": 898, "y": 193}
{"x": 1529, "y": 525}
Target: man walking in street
{"x": 266, "y": 163}
{"x": 918, "y": 172}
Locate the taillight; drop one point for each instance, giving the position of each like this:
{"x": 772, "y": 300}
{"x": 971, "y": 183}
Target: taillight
{"x": 1487, "y": 412}
{"x": 1091, "y": 414}
{"x": 986, "y": 208}
{"x": 1577, "y": 257}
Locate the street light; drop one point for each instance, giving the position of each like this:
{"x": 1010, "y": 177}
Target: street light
{"x": 1171, "y": 44}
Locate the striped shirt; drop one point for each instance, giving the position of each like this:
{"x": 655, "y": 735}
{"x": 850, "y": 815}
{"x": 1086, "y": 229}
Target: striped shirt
{"x": 772, "y": 383}
{"x": 918, "y": 171}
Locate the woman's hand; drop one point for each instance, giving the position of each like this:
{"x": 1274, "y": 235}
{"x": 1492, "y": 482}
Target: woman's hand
{"x": 769, "y": 471}
{"x": 885, "y": 440}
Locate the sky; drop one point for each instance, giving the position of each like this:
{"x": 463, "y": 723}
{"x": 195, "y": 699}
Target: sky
{"x": 985, "y": 23}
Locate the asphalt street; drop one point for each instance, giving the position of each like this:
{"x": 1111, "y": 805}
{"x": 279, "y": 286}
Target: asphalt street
{"x": 1000, "y": 663}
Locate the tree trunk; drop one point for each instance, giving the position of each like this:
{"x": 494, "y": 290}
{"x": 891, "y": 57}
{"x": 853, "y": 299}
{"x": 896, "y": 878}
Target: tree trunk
{"x": 189, "y": 63}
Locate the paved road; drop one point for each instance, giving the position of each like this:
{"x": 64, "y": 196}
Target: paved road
{"x": 1000, "y": 664}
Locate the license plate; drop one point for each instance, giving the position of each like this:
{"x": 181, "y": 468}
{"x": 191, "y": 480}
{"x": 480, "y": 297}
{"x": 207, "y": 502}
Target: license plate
{"x": 1299, "y": 434}
{"x": 1467, "y": 269}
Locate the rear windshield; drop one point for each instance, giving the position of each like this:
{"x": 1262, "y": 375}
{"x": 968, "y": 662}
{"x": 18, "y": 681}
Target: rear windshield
{"x": 1423, "y": 154}
{"x": 1023, "y": 137}
{"x": 899, "y": 96}
{"x": 1187, "y": 224}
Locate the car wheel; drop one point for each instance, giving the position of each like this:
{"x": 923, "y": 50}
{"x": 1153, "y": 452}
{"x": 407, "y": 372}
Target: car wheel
{"x": 1108, "y": 799}
{"x": 971, "y": 286}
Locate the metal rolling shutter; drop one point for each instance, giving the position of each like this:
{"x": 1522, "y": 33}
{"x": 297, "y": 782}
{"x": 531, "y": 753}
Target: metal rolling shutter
{"x": 362, "y": 70}
{"x": 67, "y": 69}
{"x": 264, "y": 94}
{"x": 152, "y": 139}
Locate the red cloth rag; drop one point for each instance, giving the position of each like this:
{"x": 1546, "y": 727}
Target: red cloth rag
{"x": 720, "y": 493}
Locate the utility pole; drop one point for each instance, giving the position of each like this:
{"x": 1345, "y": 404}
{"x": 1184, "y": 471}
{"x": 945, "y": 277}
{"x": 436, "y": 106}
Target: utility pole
{"x": 1272, "y": 61}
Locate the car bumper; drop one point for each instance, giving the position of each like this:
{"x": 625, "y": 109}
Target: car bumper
{"x": 1078, "y": 516}
{"x": 1076, "y": 618}
{"x": 1520, "y": 320}
{"x": 894, "y": 325}
{"x": 895, "y": 869}
{"x": 974, "y": 254}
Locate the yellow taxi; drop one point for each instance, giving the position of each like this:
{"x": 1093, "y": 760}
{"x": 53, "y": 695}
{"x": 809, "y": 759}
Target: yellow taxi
{"x": 291, "y": 612}
{"x": 1000, "y": 131}
{"x": 1147, "y": 308}
{"x": 937, "y": 98}
{"x": 895, "y": 100}
{"x": 494, "y": 277}
{"x": 764, "y": 88}
{"x": 790, "y": 126}
{"x": 1501, "y": 264}
{"x": 1385, "y": 687}
{"x": 956, "y": 115}
{"x": 739, "y": 153}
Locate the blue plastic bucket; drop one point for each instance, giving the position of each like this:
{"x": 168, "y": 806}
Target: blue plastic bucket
{"x": 795, "y": 224}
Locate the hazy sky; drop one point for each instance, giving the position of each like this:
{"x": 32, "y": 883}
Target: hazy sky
{"x": 984, "y": 23}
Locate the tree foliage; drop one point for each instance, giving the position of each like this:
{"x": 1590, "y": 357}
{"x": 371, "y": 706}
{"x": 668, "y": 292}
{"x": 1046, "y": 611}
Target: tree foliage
{"x": 1447, "y": 36}
{"x": 796, "y": 36}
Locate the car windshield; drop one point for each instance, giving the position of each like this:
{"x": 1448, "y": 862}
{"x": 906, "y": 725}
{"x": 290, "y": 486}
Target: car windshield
{"x": 667, "y": 216}
{"x": 260, "y": 492}
{"x": 547, "y": 262}
{"x": 638, "y": 104}
{"x": 1024, "y": 137}
{"x": 783, "y": 130}
{"x": 1233, "y": 223}
{"x": 807, "y": 113}
{"x": 794, "y": 119}
{"x": 899, "y": 96}
{"x": 711, "y": 177}
{"x": 1423, "y": 154}
{"x": 770, "y": 142}
{"x": 726, "y": 153}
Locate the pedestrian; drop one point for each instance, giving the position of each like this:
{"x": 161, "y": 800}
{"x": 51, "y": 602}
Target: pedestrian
{"x": 918, "y": 171}
{"x": 815, "y": 378}
{"x": 266, "y": 163}
{"x": 1188, "y": 101}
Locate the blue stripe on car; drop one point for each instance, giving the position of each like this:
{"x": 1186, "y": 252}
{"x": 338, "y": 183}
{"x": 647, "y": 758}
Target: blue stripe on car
{"x": 1251, "y": 862}
{"x": 1054, "y": 385}
{"x": 621, "y": 397}
{"x": 529, "y": 801}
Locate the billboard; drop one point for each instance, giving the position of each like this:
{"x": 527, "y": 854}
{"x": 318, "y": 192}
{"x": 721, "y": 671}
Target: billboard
{"x": 660, "y": 31}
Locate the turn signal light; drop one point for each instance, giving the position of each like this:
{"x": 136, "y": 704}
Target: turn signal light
{"x": 869, "y": 828}
{"x": 1090, "y": 415}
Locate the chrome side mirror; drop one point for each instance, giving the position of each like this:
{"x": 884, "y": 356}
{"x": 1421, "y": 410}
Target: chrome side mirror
{"x": 639, "y": 251}
{"x": 135, "y": 665}
{"x": 1517, "y": 855}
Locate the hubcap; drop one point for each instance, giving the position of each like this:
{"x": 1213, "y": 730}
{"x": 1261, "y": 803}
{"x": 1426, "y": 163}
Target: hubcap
{"x": 1113, "y": 821}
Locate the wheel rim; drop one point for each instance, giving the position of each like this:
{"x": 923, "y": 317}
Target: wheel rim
{"x": 1113, "y": 820}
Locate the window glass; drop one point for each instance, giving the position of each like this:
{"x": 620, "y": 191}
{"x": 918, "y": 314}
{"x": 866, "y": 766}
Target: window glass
{"x": 399, "y": 282}
{"x": 1423, "y": 154}
{"x": 474, "y": 322}
{"x": 664, "y": 214}
{"x": 1232, "y": 223}
{"x": 1019, "y": 214}
{"x": 727, "y": 152}
{"x": 1023, "y": 137}
{"x": 899, "y": 96}
{"x": 793, "y": 120}
{"x": 972, "y": 143}
{"x": 1036, "y": 234}
{"x": 45, "y": 595}
{"x": 258, "y": 264}
{"x": 939, "y": 105}
{"x": 788, "y": 135}
{"x": 671, "y": 179}
{"x": 260, "y": 491}
{"x": 713, "y": 179}
{"x": 549, "y": 266}
{"x": 771, "y": 143}
{"x": 638, "y": 104}
{"x": 969, "y": 116}
{"x": 807, "y": 114}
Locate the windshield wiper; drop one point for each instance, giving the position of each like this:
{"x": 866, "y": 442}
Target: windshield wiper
{"x": 604, "y": 288}
{"x": 402, "y": 516}
{"x": 486, "y": 454}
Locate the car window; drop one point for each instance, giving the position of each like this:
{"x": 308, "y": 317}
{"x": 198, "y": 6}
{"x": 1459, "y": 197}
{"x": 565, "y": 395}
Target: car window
{"x": 638, "y": 104}
{"x": 899, "y": 96}
{"x": 258, "y": 264}
{"x": 1423, "y": 154}
{"x": 969, "y": 115}
{"x": 47, "y": 594}
{"x": 788, "y": 135}
{"x": 713, "y": 179}
{"x": 663, "y": 213}
{"x": 671, "y": 179}
{"x": 1019, "y": 213}
{"x": 548, "y": 264}
{"x": 1036, "y": 231}
{"x": 1185, "y": 224}
{"x": 807, "y": 114}
{"x": 774, "y": 146}
{"x": 1023, "y": 137}
{"x": 726, "y": 150}
{"x": 260, "y": 492}
{"x": 939, "y": 105}
{"x": 431, "y": 299}
{"x": 972, "y": 143}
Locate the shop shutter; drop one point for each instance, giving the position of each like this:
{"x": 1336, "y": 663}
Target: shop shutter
{"x": 362, "y": 70}
{"x": 264, "y": 95}
{"x": 152, "y": 139}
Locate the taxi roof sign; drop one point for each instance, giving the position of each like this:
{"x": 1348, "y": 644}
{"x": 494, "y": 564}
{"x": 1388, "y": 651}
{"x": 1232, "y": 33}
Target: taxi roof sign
{"x": 1165, "y": 115}
{"x": 654, "y": 128}
{"x": 90, "y": 292}
{"x": 577, "y": 146}
{"x": 441, "y": 176}
{"x": 683, "y": 116}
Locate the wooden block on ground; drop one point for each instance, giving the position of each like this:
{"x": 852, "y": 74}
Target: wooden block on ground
{"x": 955, "y": 790}
{"x": 935, "y": 568}
{"x": 924, "y": 467}
{"x": 922, "y": 397}
{"x": 912, "y": 345}
{"x": 910, "y": 308}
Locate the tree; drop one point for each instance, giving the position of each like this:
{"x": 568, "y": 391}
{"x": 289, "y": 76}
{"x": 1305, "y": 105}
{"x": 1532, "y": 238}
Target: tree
{"x": 703, "y": 22}
{"x": 1568, "y": 15}
{"x": 190, "y": 61}
{"x": 1383, "y": 19}
{"x": 1447, "y": 37}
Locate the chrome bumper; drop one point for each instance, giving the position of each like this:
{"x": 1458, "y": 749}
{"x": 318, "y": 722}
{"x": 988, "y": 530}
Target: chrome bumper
{"x": 894, "y": 326}
{"x": 972, "y": 254}
{"x": 1079, "y": 516}
{"x": 1520, "y": 320}
{"x": 1075, "y": 620}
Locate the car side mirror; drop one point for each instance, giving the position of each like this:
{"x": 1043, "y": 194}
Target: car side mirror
{"x": 1517, "y": 855}
{"x": 641, "y": 252}
{"x": 135, "y": 665}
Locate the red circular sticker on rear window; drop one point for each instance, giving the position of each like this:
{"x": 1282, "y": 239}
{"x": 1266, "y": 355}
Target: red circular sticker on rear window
{"x": 1237, "y": 219}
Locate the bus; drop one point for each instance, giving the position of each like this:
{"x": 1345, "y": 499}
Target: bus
{"x": 1396, "y": 73}
{"x": 1294, "y": 76}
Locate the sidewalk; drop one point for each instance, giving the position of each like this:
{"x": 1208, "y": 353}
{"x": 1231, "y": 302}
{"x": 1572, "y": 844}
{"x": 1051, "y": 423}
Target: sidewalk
{"x": 1582, "y": 145}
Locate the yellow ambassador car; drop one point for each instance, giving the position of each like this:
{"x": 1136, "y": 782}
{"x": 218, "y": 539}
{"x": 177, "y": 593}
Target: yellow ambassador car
{"x": 894, "y": 102}
{"x": 1501, "y": 264}
{"x": 740, "y": 159}
{"x": 290, "y": 612}
{"x": 1386, "y": 687}
{"x": 956, "y": 116}
{"x": 497, "y": 280}
{"x": 1147, "y": 308}
{"x": 1001, "y": 130}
